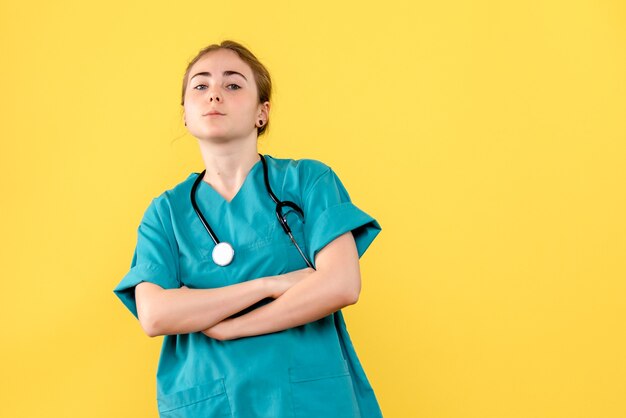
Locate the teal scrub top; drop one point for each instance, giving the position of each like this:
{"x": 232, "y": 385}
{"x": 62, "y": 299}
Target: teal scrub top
{"x": 310, "y": 370}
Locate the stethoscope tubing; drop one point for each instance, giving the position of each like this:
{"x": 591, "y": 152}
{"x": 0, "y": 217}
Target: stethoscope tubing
{"x": 197, "y": 209}
{"x": 279, "y": 210}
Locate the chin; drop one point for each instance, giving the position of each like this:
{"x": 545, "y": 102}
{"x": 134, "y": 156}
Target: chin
{"x": 215, "y": 137}
{"x": 212, "y": 134}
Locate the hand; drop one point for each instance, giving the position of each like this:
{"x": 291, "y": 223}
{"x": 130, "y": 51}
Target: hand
{"x": 283, "y": 282}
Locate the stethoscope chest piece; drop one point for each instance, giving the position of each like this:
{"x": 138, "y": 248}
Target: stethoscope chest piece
{"x": 223, "y": 254}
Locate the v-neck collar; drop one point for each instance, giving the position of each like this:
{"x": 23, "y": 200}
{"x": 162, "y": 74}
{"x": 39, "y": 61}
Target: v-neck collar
{"x": 204, "y": 185}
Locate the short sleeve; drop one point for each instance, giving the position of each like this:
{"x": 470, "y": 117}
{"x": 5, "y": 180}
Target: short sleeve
{"x": 155, "y": 258}
{"x": 329, "y": 213}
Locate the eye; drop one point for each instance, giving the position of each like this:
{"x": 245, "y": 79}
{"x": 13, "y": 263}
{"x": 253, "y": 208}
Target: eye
{"x": 235, "y": 87}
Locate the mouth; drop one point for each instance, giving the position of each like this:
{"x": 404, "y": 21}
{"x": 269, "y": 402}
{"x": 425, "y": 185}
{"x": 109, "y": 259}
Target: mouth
{"x": 213, "y": 113}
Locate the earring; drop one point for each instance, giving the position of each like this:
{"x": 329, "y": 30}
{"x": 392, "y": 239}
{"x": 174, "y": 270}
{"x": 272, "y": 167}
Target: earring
{"x": 260, "y": 122}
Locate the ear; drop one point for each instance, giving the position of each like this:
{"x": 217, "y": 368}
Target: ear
{"x": 264, "y": 111}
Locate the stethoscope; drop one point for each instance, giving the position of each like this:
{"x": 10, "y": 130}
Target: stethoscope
{"x": 223, "y": 253}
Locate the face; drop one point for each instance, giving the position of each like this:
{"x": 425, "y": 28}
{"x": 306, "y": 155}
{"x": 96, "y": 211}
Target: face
{"x": 223, "y": 84}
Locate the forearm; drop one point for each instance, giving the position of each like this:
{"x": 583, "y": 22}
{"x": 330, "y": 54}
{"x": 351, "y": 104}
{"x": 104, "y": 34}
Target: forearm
{"x": 316, "y": 296}
{"x": 184, "y": 310}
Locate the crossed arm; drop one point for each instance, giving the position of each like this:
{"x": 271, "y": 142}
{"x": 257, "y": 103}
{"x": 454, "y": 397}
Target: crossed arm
{"x": 310, "y": 295}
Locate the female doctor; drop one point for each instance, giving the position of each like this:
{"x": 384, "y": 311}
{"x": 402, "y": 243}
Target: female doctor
{"x": 244, "y": 267}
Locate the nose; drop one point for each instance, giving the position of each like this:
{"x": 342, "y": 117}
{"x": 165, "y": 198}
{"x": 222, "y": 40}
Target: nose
{"x": 214, "y": 96}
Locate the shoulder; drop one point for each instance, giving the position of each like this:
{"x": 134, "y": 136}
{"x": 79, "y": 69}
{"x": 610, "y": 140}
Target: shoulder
{"x": 313, "y": 168}
{"x": 163, "y": 205}
{"x": 306, "y": 170}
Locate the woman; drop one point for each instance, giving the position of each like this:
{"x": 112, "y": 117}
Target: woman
{"x": 251, "y": 319}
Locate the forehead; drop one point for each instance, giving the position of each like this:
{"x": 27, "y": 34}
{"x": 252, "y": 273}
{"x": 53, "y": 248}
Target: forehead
{"x": 218, "y": 61}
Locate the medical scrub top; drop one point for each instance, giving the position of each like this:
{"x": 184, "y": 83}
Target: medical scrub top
{"x": 310, "y": 370}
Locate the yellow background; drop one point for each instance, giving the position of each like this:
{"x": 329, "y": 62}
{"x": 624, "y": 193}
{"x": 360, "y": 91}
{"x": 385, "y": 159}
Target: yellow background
{"x": 487, "y": 138}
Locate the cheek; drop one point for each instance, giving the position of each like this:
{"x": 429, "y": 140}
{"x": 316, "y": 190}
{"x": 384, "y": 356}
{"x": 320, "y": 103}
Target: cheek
{"x": 249, "y": 108}
{"x": 247, "y": 102}
{"x": 191, "y": 105}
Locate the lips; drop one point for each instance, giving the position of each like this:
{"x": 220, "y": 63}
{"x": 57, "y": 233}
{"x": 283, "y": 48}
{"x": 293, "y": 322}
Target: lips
{"x": 213, "y": 112}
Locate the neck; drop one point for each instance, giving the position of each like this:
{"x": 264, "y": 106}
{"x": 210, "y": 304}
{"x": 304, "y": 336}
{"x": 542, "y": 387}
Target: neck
{"x": 227, "y": 164}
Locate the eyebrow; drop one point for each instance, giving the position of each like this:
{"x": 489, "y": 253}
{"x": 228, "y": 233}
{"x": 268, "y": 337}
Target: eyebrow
{"x": 226, "y": 73}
